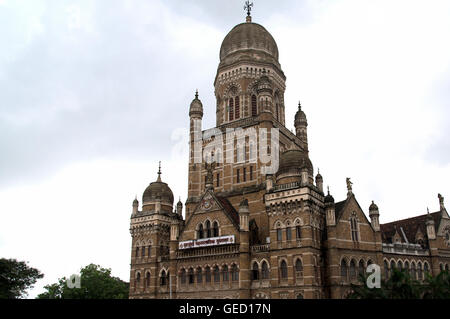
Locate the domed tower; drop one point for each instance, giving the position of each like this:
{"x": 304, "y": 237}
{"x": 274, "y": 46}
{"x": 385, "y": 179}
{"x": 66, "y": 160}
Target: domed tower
{"x": 157, "y": 197}
{"x": 249, "y": 79}
{"x": 295, "y": 166}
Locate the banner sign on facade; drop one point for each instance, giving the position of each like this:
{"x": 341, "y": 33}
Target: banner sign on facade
{"x": 214, "y": 241}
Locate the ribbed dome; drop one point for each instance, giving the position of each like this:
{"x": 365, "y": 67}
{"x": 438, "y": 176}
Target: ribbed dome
{"x": 158, "y": 190}
{"x": 329, "y": 199}
{"x": 196, "y": 106}
{"x": 373, "y": 207}
{"x": 252, "y": 39}
{"x": 294, "y": 159}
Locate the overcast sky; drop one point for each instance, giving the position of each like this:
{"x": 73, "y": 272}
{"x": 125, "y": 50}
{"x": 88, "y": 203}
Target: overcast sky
{"x": 94, "y": 93}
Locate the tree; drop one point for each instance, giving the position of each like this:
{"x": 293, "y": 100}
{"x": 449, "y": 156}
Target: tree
{"x": 16, "y": 277}
{"x": 400, "y": 285}
{"x": 95, "y": 283}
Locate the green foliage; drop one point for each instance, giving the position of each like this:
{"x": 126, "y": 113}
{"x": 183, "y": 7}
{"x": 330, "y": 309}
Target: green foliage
{"x": 96, "y": 283}
{"x": 400, "y": 285}
{"x": 16, "y": 277}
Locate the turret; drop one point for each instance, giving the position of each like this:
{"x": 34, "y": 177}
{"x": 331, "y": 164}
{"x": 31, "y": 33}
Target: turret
{"x": 301, "y": 125}
{"x": 374, "y": 215}
{"x": 431, "y": 233}
{"x": 330, "y": 209}
{"x": 135, "y": 206}
{"x": 319, "y": 181}
{"x": 179, "y": 208}
{"x": 243, "y": 215}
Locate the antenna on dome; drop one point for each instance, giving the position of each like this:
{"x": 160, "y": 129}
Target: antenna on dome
{"x": 248, "y": 7}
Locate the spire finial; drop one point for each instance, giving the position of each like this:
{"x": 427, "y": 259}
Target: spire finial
{"x": 196, "y": 93}
{"x": 328, "y": 189}
{"x": 248, "y": 7}
{"x": 299, "y": 106}
{"x": 159, "y": 172}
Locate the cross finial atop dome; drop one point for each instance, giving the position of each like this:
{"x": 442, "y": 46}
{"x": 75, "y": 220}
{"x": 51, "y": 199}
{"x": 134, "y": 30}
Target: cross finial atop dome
{"x": 248, "y": 7}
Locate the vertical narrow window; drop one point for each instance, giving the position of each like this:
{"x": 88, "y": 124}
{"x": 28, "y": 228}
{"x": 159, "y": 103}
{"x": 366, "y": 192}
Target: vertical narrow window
{"x": 419, "y": 271}
{"x": 183, "y": 276}
{"x": 199, "y": 275}
{"x": 244, "y": 176}
{"x": 283, "y": 270}
{"x": 298, "y": 232}
{"x": 191, "y": 276}
{"x": 254, "y": 108}
{"x": 163, "y": 279}
{"x": 225, "y": 273}
{"x": 413, "y": 271}
{"x": 200, "y": 231}
{"x": 208, "y": 274}
{"x": 208, "y": 229}
{"x": 386, "y": 270}
{"x": 143, "y": 251}
{"x": 216, "y": 274}
{"x": 344, "y": 270}
{"x": 234, "y": 273}
{"x": 147, "y": 279}
{"x": 361, "y": 268}
{"x": 215, "y": 229}
{"x": 218, "y": 180}
{"x": 288, "y": 233}
{"x": 298, "y": 269}
{"x": 255, "y": 271}
{"x": 354, "y": 228}
{"x": 352, "y": 270}
{"x": 149, "y": 252}
{"x": 138, "y": 279}
{"x": 264, "y": 270}
{"x": 238, "y": 180}
{"x": 236, "y": 108}
{"x": 279, "y": 234}
{"x": 251, "y": 172}
{"x": 137, "y": 251}
{"x": 230, "y": 110}
{"x": 277, "y": 112}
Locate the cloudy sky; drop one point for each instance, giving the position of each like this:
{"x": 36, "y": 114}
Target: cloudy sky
{"x": 94, "y": 93}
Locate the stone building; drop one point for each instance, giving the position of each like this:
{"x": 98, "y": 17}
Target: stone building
{"x": 249, "y": 234}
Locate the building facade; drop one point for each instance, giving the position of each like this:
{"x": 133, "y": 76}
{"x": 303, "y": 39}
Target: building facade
{"x": 254, "y": 233}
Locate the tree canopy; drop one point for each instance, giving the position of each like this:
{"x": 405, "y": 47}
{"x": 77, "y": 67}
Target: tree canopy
{"x": 95, "y": 283}
{"x": 16, "y": 277}
{"x": 400, "y": 285}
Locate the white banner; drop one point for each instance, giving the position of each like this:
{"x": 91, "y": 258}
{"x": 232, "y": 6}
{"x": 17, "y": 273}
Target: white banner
{"x": 214, "y": 241}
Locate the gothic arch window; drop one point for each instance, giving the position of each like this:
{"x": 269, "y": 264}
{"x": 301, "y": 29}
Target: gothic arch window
{"x": 361, "y": 268}
{"x": 183, "y": 276}
{"x": 264, "y": 270}
{"x": 225, "y": 273}
{"x": 147, "y": 279}
{"x": 426, "y": 268}
{"x": 191, "y": 276}
{"x": 386, "y": 270}
{"x": 149, "y": 251}
{"x": 399, "y": 265}
{"x": 207, "y": 274}
{"x": 392, "y": 267}
{"x": 298, "y": 269}
{"x": 163, "y": 278}
{"x": 143, "y": 251}
{"x": 354, "y": 227}
{"x": 254, "y": 107}
{"x": 344, "y": 270}
{"x": 137, "y": 252}
{"x": 216, "y": 274}
{"x": 255, "y": 271}
{"x": 138, "y": 279}
{"x": 413, "y": 271}
{"x": 230, "y": 110}
{"x": 283, "y": 270}
{"x": 200, "y": 231}
{"x": 419, "y": 271}
{"x": 288, "y": 233}
{"x": 208, "y": 228}
{"x": 237, "y": 113}
{"x": 199, "y": 275}
{"x": 352, "y": 270}
{"x": 234, "y": 273}
{"x": 215, "y": 229}
{"x": 407, "y": 266}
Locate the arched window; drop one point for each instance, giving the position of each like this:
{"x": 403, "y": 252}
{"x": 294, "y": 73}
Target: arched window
{"x": 215, "y": 229}
{"x": 288, "y": 233}
{"x": 391, "y": 270}
{"x": 386, "y": 270}
{"x": 298, "y": 269}
{"x": 344, "y": 270}
{"x": 236, "y": 108}
{"x": 264, "y": 270}
{"x": 279, "y": 234}
{"x": 255, "y": 271}
{"x": 234, "y": 273}
{"x": 225, "y": 274}
{"x": 200, "y": 231}
{"x": 399, "y": 265}
{"x": 138, "y": 279}
{"x": 191, "y": 276}
{"x": 419, "y": 271}
{"x": 137, "y": 252}
{"x": 254, "y": 108}
{"x": 230, "y": 110}
{"x": 354, "y": 228}
{"x": 216, "y": 274}
{"x": 407, "y": 266}
{"x": 163, "y": 278}
{"x": 283, "y": 270}
{"x": 413, "y": 271}
{"x": 207, "y": 274}
{"x": 361, "y": 268}
{"x": 183, "y": 276}
{"x": 147, "y": 280}
{"x": 352, "y": 270}
{"x": 426, "y": 269}
{"x": 199, "y": 275}
{"x": 208, "y": 229}
{"x": 298, "y": 232}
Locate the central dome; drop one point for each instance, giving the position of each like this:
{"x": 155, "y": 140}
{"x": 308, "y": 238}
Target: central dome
{"x": 249, "y": 39}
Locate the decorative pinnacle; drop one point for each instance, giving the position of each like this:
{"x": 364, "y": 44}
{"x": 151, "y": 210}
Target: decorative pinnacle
{"x": 328, "y": 189}
{"x": 196, "y": 93}
{"x": 159, "y": 172}
{"x": 299, "y": 106}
